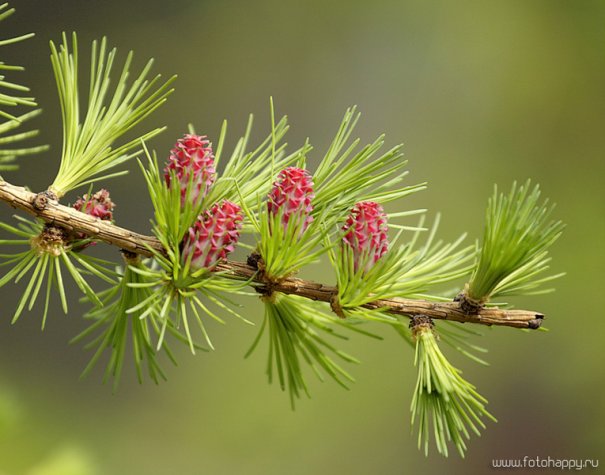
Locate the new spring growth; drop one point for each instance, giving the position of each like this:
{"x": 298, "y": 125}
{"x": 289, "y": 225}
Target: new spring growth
{"x": 291, "y": 197}
{"x": 366, "y": 233}
{"x": 193, "y": 161}
{"x": 98, "y": 205}
{"x": 444, "y": 403}
{"x": 213, "y": 236}
{"x": 173, "y": 289}
{"x": 216, "y": 231}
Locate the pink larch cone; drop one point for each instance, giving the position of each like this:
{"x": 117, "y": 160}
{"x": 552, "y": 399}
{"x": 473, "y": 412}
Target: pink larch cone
{"x": 291, "y": 195}
{"x": 366, "y": 233}
{"x": 98, "y": 205}
{"x": 213, "y": 236}
{"x": 192, "y": 159}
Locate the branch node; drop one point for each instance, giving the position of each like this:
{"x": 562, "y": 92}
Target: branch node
{"x": 130, "y": 258}
{"x": 336, "y": 307}
{"x": 52, "y": 240}
{"x": 255, "y": 260}
{"x": 267, "y": 293}
{"x": 266, "y": 290}
{"x": 40, "y": 201}
{"x": 421, "y": 323}
{"x": 469, "y": 305}
{"x": 267, "y": 287}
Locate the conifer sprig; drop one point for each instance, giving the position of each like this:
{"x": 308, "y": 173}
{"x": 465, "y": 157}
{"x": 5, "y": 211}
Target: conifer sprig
{"x": 184, "y": 290}
{"x": 248, "y": 174}
{"x": 347, "y": 175}
{"x": 89, "y": 148}
{"x": 8, "y": 98}
{"x": 174, "y": 211}
{"x": 47, "y": 258}
{"x": 11, "y": 97}
{"x": 115, "y": 326}
{"x": 183, "y": 300}
{"x": 514, "y": 252}
{"x": 406, "y": 270}
{"x": 295, "y": 216}
{"x": 444, "y": 403}
{"x": 285, "y": 250}
{"x": 297, "y": 331}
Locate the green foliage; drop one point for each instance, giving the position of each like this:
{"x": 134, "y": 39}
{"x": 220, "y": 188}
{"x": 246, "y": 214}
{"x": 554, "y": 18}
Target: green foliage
{"x": 406, "y": 270}
{"x": 8, "y": 98}
{"x": 249, "y": 173}
{"x": 88, "y": 145}
{"x": 443, "y": 400}
{"x": 11, "y": 97}
{"x": 118, "y": 325}
{"x": 9, "y": 155}
{"x": 177, "y": 299}
{"x": 46, "y": 258}
{"x": 286, "y": 250}
{"x": 342, "y": 179}
{"x": 173, "y": 216}
{"x": 346, "y": 176}
{"x": 165, "y": 295}
{"x": 297, "y": 331}
{"x": 178, "y": 287}
{"x": 518, "y": 234}
{"x": 456, "y": 336}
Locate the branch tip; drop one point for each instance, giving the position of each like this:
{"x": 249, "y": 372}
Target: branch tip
{"x": 536, "y": 322}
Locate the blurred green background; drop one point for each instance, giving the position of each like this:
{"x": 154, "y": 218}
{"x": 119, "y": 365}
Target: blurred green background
{"x": 480, "y": 92}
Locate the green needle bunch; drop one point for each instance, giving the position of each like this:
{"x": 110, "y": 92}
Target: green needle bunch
{"x": 444, "y": 403}
{"x": 514, "y": 252}
{"x": 89, "y": 143}
{"x": 286, "y": 216}
{"x": 11, "y": 97}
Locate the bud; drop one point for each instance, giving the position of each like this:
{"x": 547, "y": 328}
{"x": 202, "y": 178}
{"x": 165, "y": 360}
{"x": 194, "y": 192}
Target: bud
{"x": 98, "y": 205}
{"x": 213, "y": 236}
{"x": 291, "y": 194}
{"x": 192, "y": 160}
{"x": 366, "y": 233}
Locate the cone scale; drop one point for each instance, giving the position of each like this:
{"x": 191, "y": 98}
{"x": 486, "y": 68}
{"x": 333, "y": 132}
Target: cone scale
{"x": 213, "y": 236}
{"x": 291, "y": 196}
{"x": 366, "y": 233}
{"x": 192, "y": 160}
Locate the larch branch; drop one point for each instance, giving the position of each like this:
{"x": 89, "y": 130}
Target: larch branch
{"x": 52, "y": 212}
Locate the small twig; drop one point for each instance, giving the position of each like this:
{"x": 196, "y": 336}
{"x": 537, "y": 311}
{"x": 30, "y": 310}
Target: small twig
{"x": 406, "y": 307}
{"x": 75, "y": 221}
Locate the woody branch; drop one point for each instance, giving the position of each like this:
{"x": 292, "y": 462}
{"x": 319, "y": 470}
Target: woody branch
{"x": 52, "y": 212}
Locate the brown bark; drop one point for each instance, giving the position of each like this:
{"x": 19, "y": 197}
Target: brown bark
{"x": 43, "y": 206}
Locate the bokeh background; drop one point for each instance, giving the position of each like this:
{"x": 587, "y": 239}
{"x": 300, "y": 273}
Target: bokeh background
{"x": 480, "y": 92}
